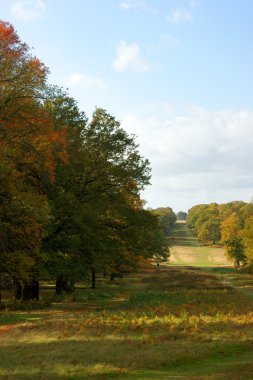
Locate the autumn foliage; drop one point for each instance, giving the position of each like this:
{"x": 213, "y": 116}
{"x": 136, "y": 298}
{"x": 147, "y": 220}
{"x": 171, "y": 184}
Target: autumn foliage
{"x": 229, "y": 224}
{"x": 69, "y": 189}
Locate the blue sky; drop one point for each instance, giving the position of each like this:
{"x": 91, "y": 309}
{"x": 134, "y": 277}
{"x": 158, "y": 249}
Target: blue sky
{"x": 177, "y": 74}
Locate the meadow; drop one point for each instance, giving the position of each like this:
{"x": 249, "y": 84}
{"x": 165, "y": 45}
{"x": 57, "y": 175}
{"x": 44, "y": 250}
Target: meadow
{"x": 169, "y": 322}
{"x": 186, "y": 250}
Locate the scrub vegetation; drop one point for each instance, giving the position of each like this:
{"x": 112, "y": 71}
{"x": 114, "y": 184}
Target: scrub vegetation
{"x": 158, "y": 323}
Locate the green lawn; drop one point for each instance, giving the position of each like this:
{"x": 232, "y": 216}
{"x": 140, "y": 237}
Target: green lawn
{"x": 166, "y": 322}
{"x": 186, "y": 250}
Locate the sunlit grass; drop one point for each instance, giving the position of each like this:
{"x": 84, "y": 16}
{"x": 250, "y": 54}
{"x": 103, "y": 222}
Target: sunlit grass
{"x": 186, "y": 250}
{"x": 160, "y": 323}
{"x": 149, "y": 334}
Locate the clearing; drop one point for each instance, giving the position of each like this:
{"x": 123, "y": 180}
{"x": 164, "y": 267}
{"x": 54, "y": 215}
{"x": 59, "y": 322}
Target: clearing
{"x": 187, "y": 251}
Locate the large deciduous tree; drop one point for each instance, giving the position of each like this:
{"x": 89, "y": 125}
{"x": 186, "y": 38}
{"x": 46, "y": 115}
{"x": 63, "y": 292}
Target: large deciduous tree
{"x": 209, "y": 231}
{"x": 29, "y": 148}
{"x": 247, "y": 238}
{"x": 103, "y": 226}
{"x": 167, "y": 218}
{"x": 232, "y": 239}
{"x": 69, "y": 189}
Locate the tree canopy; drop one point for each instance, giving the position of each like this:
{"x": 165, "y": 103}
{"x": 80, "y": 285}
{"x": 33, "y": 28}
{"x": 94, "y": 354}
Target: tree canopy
{"x": 70, "y": 188}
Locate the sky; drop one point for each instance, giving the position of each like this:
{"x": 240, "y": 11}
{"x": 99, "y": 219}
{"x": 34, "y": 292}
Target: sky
{"x": 178, "y": 74}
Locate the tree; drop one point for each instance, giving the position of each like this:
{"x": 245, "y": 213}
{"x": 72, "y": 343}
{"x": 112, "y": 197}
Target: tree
{"x": 181, "y": 215}
{"x": 209, "y": 232}
{"x": 230, "y": 227}
{"x": 232, "y": 222}
{"x": 167, "y": 218}
{"x": 235, "y": 250}
{"x": 247, "y": 238}
{"x": 69, "y": 189}
{"x": 194, "y": 214}
{"x": 98, "y": 217}
{"x": 29, "y": 148}
{"x": 232, "y": 239}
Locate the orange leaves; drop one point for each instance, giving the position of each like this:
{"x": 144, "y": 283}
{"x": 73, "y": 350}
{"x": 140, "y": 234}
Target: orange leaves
{"x": 37, "y": 70}
{"x": 58, "y": 138}
{"x": 8, "y": 34}
{"x": 36, "y": 64}
{"x": 31, "y": 146}
{"x": 10, "y": 44}
{"x": 26, "y": 129}
{"x": 63, "y": 156}
{"x": 52, "y": 145}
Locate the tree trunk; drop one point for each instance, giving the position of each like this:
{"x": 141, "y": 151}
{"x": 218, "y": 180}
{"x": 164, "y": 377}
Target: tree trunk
{"x": 26, "y": 292}
{"x": 17, "y": 289}
{"x": 60, "y": 285}
{"x": 93, "y": 279}
{"x": 35, "y": 290}
{"x": 64, "y": 284}
{"x": 70, "y": 285}
{"x": 31, "y": 291}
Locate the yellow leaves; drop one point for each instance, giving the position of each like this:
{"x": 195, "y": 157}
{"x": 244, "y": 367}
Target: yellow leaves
{"x": 247, "y": 235}
{"x": 230, "y": 227}
{"x": 36, "y": 65}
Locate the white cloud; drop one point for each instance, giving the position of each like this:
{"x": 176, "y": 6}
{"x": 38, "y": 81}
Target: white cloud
{"x": 124, "y": 5}
{"x": 182, "y": 14}
{"x": 129, "y": 58}
{"x": 86, "y": 82}
{"x": 141, "y": 5}
{"x": 199, "y": 156}
{"x": 28, "y": 10}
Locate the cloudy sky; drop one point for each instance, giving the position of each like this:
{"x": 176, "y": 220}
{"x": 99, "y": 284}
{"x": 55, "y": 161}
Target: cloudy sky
{"x": 177, "y": 73}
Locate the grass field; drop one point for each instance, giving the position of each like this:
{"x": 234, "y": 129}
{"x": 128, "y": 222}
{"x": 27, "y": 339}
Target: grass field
{"x": 187, "y": 251}
{"x": 166, "y": 322}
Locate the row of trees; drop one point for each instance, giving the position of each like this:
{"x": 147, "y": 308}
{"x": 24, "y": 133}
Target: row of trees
{"x": 181, "y": 215}
{"x": 167, "y": 219}
{"x": 69, "y": 188}
{"x": 230, "y": 224}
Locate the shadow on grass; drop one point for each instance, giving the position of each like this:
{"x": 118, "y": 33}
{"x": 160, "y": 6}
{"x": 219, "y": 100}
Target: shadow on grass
{"x": 102, "y": 360}
{"x": 18, "y": 318}
{"x": 220, "y": 270}
{"x": 187, "y": 277}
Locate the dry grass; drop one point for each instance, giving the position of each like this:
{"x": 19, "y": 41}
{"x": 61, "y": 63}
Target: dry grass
{"x": 160, "y": 328}
{"x": 160, "y": 323}
{"x": 167, "y": 278}
{"x": 186, "y": 250}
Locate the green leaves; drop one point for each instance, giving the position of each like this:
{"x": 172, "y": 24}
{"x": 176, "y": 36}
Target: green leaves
{"x": 69, "y": 188}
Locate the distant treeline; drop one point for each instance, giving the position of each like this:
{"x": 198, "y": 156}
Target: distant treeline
{"x": 231, "y": 224}
{"x": 181, "y": 215}
{"x": 167, "y": 218}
